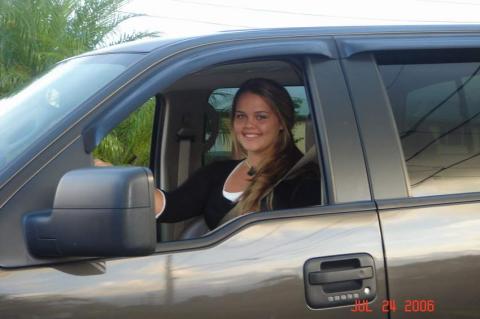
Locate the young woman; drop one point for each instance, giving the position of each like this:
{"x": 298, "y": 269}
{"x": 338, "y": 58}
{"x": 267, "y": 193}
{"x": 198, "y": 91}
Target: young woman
{"x": 262, "y": 121}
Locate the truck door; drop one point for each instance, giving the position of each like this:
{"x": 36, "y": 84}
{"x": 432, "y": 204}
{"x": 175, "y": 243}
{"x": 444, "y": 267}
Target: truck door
{"x": 422, "y": 153}
{"x": 323, "y": 261}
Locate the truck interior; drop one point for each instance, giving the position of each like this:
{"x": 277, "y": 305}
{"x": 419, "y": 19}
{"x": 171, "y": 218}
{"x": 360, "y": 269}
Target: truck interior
{"x": 192, "y": 124}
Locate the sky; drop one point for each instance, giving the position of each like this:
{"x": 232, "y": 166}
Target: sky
{"x": 191, "y": 17}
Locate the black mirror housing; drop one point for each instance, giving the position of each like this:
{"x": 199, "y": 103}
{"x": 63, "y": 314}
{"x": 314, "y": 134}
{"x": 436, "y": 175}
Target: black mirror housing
{"x": 101, "y": 211}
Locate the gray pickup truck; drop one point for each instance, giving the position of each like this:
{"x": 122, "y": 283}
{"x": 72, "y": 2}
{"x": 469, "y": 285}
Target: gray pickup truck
{"x": 391, "y": 116}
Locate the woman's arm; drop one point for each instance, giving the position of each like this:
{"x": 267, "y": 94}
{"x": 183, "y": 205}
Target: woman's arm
{"x": 189, "y": 199}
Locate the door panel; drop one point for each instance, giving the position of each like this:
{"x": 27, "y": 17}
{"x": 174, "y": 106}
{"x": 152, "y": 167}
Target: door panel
{"x": 255, "y": 273}
{"x": 422, "y": 140}
{"x": 433, "y": 254}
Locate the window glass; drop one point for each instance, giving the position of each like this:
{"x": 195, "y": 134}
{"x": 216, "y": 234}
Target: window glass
{"x": 130, "y": 142}
{"x": 437, "y": 111}
{"x": 28, "y": 115}
{"x": 221, "y": 99}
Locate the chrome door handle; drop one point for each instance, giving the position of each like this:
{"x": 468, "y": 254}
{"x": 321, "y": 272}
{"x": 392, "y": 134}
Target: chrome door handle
{"x": 339, "y": 280}
{"x": 325, "y": 277}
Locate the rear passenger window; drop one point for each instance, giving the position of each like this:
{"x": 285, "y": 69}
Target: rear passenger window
{"x": 435, "y": 100}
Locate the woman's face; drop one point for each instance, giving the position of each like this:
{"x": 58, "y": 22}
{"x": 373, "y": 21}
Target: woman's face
{"x": 255, "y": 124}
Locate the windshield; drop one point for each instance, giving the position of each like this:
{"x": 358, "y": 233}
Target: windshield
{"x": 29, "y": 114}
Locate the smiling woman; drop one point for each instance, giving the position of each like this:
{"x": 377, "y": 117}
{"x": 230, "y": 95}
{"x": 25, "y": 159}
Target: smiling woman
{"x": 256, "y": 126}
{"x": 262, "y": 120}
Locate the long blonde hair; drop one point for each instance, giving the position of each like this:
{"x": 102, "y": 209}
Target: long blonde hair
{"x": 285, "y": 153}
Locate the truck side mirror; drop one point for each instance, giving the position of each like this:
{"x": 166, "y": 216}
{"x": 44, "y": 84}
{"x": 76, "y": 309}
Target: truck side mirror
{"x": 101, "y": 211}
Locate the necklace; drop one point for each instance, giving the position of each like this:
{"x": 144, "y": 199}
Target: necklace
{"x": 251, "y": 170}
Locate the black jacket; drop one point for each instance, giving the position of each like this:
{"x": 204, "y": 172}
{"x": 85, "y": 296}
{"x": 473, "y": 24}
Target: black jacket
{"x": 202, "y": 194}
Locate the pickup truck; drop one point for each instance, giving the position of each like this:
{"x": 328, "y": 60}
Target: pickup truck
{"x": 391, "y": 115}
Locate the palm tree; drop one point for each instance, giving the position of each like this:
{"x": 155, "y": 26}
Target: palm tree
{"x": 35, "y": 34}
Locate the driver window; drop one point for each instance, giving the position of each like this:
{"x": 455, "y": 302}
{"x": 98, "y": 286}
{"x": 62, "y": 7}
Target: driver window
{"x": 202, "y": 179}
{"x": 188, "y": 108}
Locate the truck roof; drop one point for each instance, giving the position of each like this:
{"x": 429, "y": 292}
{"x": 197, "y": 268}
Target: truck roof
{"x": 149, "y": 45}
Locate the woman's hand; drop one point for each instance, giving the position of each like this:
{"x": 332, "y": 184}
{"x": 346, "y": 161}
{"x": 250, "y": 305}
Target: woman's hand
{"x": 99, "y": 162}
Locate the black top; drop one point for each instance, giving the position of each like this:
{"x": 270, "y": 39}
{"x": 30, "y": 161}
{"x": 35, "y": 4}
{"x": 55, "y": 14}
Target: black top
{"x": 202, "y": 193}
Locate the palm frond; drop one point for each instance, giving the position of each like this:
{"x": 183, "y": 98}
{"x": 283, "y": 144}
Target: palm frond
{"x": 35, "y": 34}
